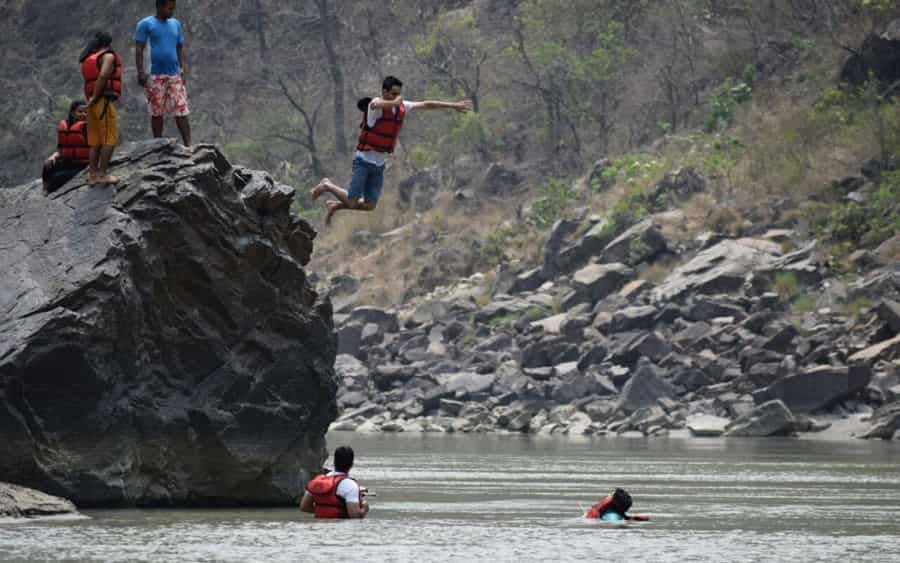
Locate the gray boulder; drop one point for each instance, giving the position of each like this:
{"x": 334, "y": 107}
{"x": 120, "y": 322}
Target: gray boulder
{"x": 818, "y": 387}
{"x": 886, "y": 350}
{"x": 386, "y": 320}
{"x": 721, "y": 268}
{"x": 580, "y": 385}
{"x": 498, "y": 181}
{"x": 21, "y": 502}
{"x": 644, "y": 389}
{"x": 680, "y": 184}
{"x": 885, "y": 422}
{"x": 561, "y": 231}
{"x": 597, "y": 281}
{"x": 633, "y": 318}
{"x": 768, "y": 419}
{"x": 627, "y": 348}
{"x": 640, "y": 243}
{"x": 889, "y": 312}
{"x": 161, "y": 342}
{"x": 706, "y": 425}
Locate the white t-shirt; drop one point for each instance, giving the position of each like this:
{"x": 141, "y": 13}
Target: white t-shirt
{"x": 346, "y": 489}
{"x": 372, "y": 115}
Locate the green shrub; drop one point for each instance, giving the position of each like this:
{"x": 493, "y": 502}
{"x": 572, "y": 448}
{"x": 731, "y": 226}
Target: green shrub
{"x": 555, "y": 195}
{"x": 634, "y": 206}
{"x": 869, "y": 223}
{"x": 786, "y": 285}
{"x": 494, "y": 245}
{"x": 630, "y": 168}
{"x": 724, "y": 102}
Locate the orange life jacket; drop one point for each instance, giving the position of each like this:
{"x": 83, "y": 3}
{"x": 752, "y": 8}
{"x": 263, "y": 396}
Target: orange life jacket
{"x": 326, "y": 502}
{"x": 72, "y": 142}
{"x": 598, "y": 509}
{"x": 90, "y": 71}
{"x": 382, "y": 137}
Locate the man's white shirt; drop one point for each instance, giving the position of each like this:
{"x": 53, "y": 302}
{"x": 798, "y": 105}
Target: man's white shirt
{"x": 347, "y": 489}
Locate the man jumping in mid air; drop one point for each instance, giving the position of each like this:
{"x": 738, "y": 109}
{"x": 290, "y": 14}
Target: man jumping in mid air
{"x": 380, "y": 128}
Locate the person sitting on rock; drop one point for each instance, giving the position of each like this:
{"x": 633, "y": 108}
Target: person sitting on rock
{"x": 614, "y": 507}
{"x": 72, "y": 151}
{"x": 382, "y": 121}
{"x": 334, "y": 494}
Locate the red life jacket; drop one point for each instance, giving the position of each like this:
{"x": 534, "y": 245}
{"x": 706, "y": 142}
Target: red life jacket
{"x": 382, "y": 137}
{"x": 327, "y": 504}
{"x": 598, "y": 509}
{"x": 90, "y": 71}
{"x": 72, "y": 142}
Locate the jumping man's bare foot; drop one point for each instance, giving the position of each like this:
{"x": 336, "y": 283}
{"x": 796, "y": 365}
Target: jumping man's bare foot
{"x": 107, "y": 181}
{"x": 319, "y": 189}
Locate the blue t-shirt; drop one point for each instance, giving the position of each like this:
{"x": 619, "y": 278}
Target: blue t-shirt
{"x": 164, "y": 36}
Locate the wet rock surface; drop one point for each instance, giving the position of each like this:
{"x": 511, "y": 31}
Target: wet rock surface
{"x": 21, "y": 502}
{"x": 161, "y": 342}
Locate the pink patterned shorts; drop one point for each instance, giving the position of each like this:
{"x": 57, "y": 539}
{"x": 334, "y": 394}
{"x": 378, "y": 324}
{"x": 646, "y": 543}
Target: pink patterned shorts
{"x": 167, "y": 95}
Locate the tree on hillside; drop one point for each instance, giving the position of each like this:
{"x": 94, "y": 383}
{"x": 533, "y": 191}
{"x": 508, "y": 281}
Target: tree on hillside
{"x": 576, "y": 64}
{"x": 455, "y": 50}
{"x": 329, "y": 27}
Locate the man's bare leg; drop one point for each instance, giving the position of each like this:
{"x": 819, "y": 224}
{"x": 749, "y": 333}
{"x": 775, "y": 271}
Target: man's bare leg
{"x": 94, "y": 166}
{"x": 156, "y": 125}
{"x": 333, "y": 207}
{"x": 184, "y": 127}
{"x": 106, "y": 153}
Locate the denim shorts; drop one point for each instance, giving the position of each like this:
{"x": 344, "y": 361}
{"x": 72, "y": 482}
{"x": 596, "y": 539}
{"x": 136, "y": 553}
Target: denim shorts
{"x": 367, "y": 181}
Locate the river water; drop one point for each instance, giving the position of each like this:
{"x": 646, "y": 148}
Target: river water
{"x": 510, "y": 498}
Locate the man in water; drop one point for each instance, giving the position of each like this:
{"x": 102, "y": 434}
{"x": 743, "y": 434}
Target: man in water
{"x": 382, "y": 121}
{"x": 614, "y": 507}
{"x": 335, "y": 494}
{"x": 166, "y": 84}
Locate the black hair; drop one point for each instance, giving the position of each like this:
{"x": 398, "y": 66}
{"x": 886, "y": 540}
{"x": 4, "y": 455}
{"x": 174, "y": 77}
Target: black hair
{"x": 70, "y": 118}
{"x": 390, "y": 82}
{"x": 343, "y": 459}
{"x": 98, "y": 41}
{"x": 363, "y": 104}
{"x": 161, "y": 3}
{"x": 621, "y": 501}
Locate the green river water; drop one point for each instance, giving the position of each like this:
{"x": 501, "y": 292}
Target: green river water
{"x": 511, "y": 498}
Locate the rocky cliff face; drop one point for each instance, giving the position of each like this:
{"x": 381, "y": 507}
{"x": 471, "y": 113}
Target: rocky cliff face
{"x": 160, "y": 342}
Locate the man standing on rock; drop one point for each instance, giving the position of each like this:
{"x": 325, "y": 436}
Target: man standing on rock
{"x": 166, "y": 84}
{"x": 381, "y": 124}
{"x": 336, "y": 495}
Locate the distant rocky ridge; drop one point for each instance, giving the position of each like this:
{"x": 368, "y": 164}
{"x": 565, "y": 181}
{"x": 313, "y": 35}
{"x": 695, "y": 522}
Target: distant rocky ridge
{"x": 585, "y": 346}
{"x": 161, "y": 344}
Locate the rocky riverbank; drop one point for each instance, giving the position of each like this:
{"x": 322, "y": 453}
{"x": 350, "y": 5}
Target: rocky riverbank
{"x": 751, "y": 336}
{"x": 161, "y": 343}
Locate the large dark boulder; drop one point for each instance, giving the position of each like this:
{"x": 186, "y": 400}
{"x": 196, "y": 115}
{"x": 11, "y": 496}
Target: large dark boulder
{"x": 878, "y": 56}
{"x": 161, "y": 343}
{"x": 768, "y": 419}
{"x": 817, "y": 388}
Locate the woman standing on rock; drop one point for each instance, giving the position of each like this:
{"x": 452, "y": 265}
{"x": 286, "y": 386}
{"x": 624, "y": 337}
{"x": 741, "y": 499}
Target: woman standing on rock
{"x": 101, "y": 68}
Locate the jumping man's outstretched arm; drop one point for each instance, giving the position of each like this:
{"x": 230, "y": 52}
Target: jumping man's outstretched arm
{"x": 462, "y": 107}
